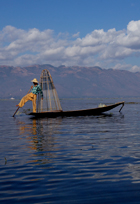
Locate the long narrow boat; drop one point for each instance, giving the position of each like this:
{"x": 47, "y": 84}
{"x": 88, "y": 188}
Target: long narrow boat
{"x": 60, "y": 113}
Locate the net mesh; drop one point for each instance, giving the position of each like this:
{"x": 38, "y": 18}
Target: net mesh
{"x": 50, "y": 100}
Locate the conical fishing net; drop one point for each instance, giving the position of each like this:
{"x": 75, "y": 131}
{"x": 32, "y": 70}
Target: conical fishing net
{"x": 50, "y": 100}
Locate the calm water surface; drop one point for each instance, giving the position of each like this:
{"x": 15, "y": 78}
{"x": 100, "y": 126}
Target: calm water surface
{"x": 91, "y": 159}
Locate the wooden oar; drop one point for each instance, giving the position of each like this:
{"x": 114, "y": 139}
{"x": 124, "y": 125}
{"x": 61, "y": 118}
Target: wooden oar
{"x": 16, "y": 111}
{"x": 30, "y": 89}
{"x": 121, "y": 107}
{"x": 18, "y": 106}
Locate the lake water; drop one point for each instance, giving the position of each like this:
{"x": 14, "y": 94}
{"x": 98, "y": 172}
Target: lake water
{"x": 89, "y": 159}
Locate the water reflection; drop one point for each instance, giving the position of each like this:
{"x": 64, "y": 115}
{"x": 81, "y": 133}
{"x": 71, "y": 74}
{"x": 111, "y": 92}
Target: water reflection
{"x": 95, "y": 147}
{"x": 40, "y": 136}
{"x": 87, "y": 147}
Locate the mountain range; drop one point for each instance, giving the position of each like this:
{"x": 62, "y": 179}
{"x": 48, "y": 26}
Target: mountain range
{"x": 74, "y": 81}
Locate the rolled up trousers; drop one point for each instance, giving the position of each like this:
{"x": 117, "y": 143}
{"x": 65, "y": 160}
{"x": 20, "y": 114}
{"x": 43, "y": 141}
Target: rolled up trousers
{"x": 29, "y": 97}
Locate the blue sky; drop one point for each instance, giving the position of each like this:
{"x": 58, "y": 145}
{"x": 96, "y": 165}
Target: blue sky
{"x": 70, "y": 32}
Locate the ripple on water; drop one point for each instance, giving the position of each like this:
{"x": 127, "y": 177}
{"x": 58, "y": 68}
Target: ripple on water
{"x": 92, "y": 159}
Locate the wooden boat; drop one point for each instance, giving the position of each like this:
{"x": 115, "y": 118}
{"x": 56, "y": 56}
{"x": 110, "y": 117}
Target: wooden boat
{"x": 50, "y": 106}
{"x": 60, "y": 113}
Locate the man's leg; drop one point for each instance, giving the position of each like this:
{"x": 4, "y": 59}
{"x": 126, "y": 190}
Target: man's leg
{"x": 34, "y": 103}
{"x": 25, "y": 99}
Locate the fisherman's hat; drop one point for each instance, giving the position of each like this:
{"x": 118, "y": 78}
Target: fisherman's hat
{"x": 34, "y": 80}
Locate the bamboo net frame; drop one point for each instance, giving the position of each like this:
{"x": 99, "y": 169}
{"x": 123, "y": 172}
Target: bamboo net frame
{"x": 50, "y": 100}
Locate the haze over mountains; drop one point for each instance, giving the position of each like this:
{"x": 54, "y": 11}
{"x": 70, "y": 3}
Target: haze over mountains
{"x": 72, "y": 81}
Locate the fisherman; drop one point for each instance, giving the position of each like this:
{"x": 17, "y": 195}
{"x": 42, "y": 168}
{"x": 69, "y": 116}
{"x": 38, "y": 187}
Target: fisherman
{"x": 32, "y": 95}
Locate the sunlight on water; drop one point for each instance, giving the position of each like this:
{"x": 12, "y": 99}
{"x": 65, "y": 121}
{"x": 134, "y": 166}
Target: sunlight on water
{"x": 89, "y": 159}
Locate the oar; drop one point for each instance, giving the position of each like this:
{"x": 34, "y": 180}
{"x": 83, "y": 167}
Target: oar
{"x": 30, "y": 89}
{"x": 16, "y": 111}
{"x": 121, "y": 107}
{"x": 18, "y": 106}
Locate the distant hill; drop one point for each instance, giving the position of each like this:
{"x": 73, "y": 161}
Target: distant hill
{"x": 72, "y": 81}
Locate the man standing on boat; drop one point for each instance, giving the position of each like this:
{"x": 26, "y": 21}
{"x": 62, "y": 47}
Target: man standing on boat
{"x": 32, "y": 95}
